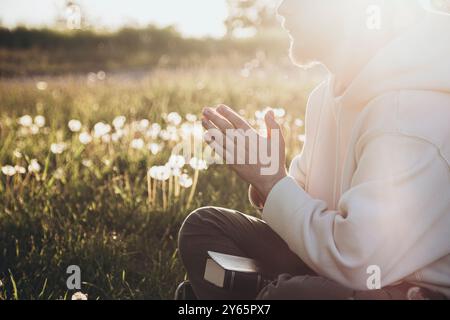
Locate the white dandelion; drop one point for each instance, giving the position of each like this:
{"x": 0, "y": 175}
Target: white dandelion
{"x": 185, "y": 181}
{"x": 87, "y": 163}
{"x": 41, "y": 85}
{"x": 174, "y": 118}
{"x": 198, "y": 164}
{"x": 58, "y": 148}
{"x": 26, "y": 121}
{"x": 20, "y": 169}
{"x": 8, "y": 170}
{"x": 279, "y": 112}
{"x": 101, "y": 75}
{"x": 119, "y": 122}
{"x": 79, "y": 296}
{"x": 152, "y": 172}
{"x": 100, "y": 129}
{"x": 34, "y": 166}
{"x": 154, "y": 148}
{"x": 162, "y": 173}
{"x": 17, "y": 154}
{"x": 260, "y": 114}
{"x": 137, "y": 144}
{"x": 39, "y": 121}
{"x": 34, "y": 129}
{"x": 191, "y": 117}
{"x": 299, "y": 123}
{"x": 74, "y": 125}
{"x": 85, "y": 138}
{"x": 143, "y": 125}
{"x": 176, "y": 161}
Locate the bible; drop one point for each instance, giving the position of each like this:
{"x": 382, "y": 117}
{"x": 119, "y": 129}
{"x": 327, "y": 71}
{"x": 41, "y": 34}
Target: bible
{"x": 233, "y": 273}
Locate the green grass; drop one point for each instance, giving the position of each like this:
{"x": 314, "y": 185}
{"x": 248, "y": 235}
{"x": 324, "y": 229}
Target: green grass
{"x": 99, "y": 217}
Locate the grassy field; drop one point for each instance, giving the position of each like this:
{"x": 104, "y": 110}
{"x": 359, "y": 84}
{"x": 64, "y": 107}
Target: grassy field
{"x": 80, "y": 192}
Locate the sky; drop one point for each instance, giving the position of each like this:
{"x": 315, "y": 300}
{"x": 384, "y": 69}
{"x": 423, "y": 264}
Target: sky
{"x": 194, "y": 18}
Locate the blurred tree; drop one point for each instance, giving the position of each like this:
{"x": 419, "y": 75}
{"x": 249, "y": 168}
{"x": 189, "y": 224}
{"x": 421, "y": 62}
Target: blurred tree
{"x": 247, "y": 17}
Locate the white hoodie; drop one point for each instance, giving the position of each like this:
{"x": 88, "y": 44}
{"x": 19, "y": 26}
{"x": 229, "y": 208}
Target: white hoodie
{"x": 372, "y": 184}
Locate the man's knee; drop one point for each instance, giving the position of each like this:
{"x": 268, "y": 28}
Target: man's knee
{"x": 197, "y": 223}
{"x": 288, "y": 287}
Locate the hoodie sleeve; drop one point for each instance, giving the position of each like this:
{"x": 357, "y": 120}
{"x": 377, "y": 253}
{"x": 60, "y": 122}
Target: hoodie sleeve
{"x": 297, "y": 170}
{"x": 394, "y": 216}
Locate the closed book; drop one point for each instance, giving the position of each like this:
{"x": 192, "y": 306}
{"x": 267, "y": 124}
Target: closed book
{"x": 234, "y": 273}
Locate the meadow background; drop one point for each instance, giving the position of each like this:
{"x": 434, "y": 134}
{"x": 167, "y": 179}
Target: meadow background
{"x": 88, "y": 122}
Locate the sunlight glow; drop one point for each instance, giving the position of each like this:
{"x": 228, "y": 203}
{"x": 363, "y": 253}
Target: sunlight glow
{"x": 193, "y": 18}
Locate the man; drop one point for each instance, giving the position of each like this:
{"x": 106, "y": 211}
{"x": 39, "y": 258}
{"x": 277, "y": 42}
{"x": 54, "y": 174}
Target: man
{"x": 371, "y": 189}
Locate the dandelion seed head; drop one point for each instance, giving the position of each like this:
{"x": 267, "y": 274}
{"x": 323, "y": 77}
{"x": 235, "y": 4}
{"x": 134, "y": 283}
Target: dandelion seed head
{"x": 119, "y": 122}
{"x": 41, "y": 85}
{"x": 137, "y": 144}
{"x": 74, "y": 125}
{"x": 143, "y": 125}
{"x": 100, "y": 129}
{"x": 85, "y": 138}
{"x": 79, "y": 296}
{"x": 299, "y": 123}
{"x": 176, "y": 161}
{"x": 259, "y": 114}
{"x": 198, "y": 164}
{"x": 101, "y": 75}
{"x": 161, "y": 173}
{"x": 154, "y": 148}
{"x": 8, "y": 170}
{"x": 191, "y": 117}
{"x": 34, "y": 129}
{"x": 87, "y": 163}
{"x": 152, "y": 172}
{"x": 185, "y": 181}
{"x": 25, "y": 121}
{"x": 17, "y": 154}
{"x": 174, "y": 118}
{"x": 20, "y": 169}
{"x": 165, "y": 135}
{"x": 91, "y": 78}
{"x": 58, "y": 148}
{"x": 34, "y": 166}
{"x": 39, "y": 121}
{"x": 279, "y": 112}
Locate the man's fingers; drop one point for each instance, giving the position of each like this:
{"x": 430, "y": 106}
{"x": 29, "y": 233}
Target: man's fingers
{"x": 272, "y": 124}
{"x": 218, "y": 120}
{"x": 235, "y": 119}
{"x": 216, "y": 140}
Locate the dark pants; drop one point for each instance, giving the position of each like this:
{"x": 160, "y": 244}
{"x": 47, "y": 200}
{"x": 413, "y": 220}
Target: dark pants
{"x": 232, "y": 232}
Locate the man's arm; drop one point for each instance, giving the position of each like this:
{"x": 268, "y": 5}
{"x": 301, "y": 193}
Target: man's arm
{"x": 394, "y": 216}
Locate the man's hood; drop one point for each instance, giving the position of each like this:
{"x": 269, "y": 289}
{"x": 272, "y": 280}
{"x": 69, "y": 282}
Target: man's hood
{"x": 419, "y": 59}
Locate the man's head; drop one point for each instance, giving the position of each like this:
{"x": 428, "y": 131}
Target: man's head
{"x": 326, "y": 30}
